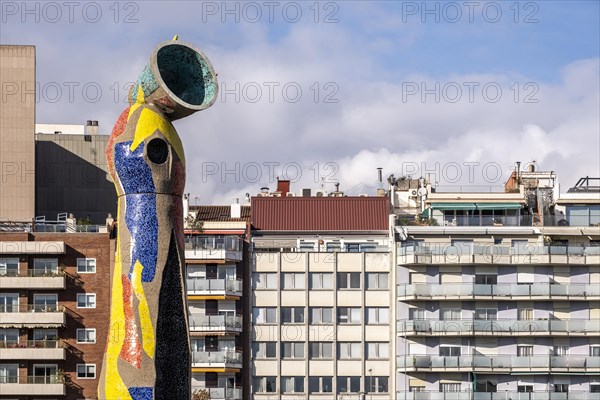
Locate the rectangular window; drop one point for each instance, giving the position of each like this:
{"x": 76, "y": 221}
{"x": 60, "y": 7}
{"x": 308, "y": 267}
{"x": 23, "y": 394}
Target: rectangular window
{"x": 86, "y": 371}
{"x": 348, "y": 315}
{"x": 86, "y": 300}
{"x": 486, "y": 279}
{"x": 321, "y": 280}
{"x": 265, "y": 384}
{"x": 45, "y": 266}
{"x": 292, "y": 280}
{"x": 378, "y": 315}
{"x": 524, "y": 351}
{"x": 561, "y": 388}
{"x": 86, "y": 335}
{"x": 376, "y": 384}
{"x": 378, "y": 350}
{"x": 9, "y": 337}
{"x": 9, "y": 302}
{"x": 348, "y": 384}
{"x": 86, "y": 265}
{"x": 332, "y": 246}
{"x": 45, "y": 302}
{"x": 525, "y": 314}
{"x": 292, "y": 349}
{"x": 292, "y": 315}
{"x": 264, "y": 280}
{"x": 449, "y": 387}
{"x": 349, "y": 350}
{"x": 45, "y": 337}
{"x": 415, "y": 314}
{"x": 449, "y": 314}
{"x": 9, "y": 373}
{"x": 321, "y": 315}
{"x": 9, "y": 266}
{"x": 320, "y": 384}
{"x": 525, "y": 389}
{"x": 264, "y": 349}
{"x": 377, "y": 280}
{"x": 595, "y": 351}
{"x": 264, "y": 315}
{"x": 321, "y": 350}
{"x": 561, "y": 351}
{"x": 450, "y": 351}
{"x": 348, "y": 280}
{"x": 306, "y": 246}
{"x": 292, "y": 384}
{"x": 594, "y": 387}
{"x": 488, "y": 314}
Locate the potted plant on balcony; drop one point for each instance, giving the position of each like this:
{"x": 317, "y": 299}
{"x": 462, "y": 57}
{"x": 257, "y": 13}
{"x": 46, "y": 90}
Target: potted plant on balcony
{"x": 200, "y": 394}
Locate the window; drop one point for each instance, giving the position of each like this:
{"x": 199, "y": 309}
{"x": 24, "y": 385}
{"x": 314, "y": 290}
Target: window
{"x": 376, "y": 384}
{"x": 306, "y": 246}
{"x": 348, "y": 280}
{"x": 449, "y": 351}
{"x": 9, "y": 373}
{"x": 264, "y": 315}
{"x": 449, "y": 387}
{"x": 335, "y": 245}
{"x": 487, "y": 386}
{"x": 449, "y": 314}
{"x": 266, "y": 280}
{"x": 45, "y": 337}
{"x": 524, "y": 350}
{"x": 321, "y": 280}
{"x": 377, "y": 280}
{"x": 9, "y": 337}
{"x": 349, "y": 350}
{"x": 86, "y": 300}
{"x": 45, "y": 266}
{"x": 321, "y": 315}
{"x": 292, "y": 280}
{"x": 561, "y": 387}
{"x": 378, "y": 350}
{"x": 320, "y": 350}
{"x": 86, "y": 265}
{"x": 489, "y": 314}
{"x": 45, "y": 302}
{"x": 265, "y": 384}
{"x": 9, "y": 302}
{"x": 560, "y": 351}
{"x": 416, "y": 314}
{"x": 352, "y": 247}
{"x": 348, "y": 384}
{"x": 264, "y": 349}
{"x": 320, "y": 384}
{"x": 292, "y": 384}
{"x": 595, "y": 351}
{"x": 594, "y": 387}
{"x": 45, "y": 373}
{"x": 525, "y": 389}
{"x": 348, "y": 315}
{"x": 486, "y": 279}
{"x": 525, "y": 314}
{"x": 86, "y": 335}
{"x": 9, "y": 266}
{"x": 292, "y": 349}
{"x": 86, "y": 371}
{"x": 292, "y": 315}
{"x": 378, "y": 315}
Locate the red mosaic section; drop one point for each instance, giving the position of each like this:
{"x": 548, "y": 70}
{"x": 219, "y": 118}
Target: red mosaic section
{"x": 117, "y": 131}
{"x": 131, "y": 351}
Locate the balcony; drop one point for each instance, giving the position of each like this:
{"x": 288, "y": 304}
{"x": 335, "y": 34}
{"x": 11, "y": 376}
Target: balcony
{"x": 507, "y": 291}
{"x": 32, "y": 350}
{"x": 211, "y": 248}
{"x": 32, "y": 316}
{"x": 499, "y": 327}
{"x": 214, "y": 287}
{"x": 35, "y": 386}
{"x": 32, "y": 279}
{"x": 500, "y": 395}
{"x": 448, "y": 253}
{"x": 222, "y": 393}
{"x": 215, "y": 323}
{"x": 216, "y": 359}
{"x": 499, "y": 364}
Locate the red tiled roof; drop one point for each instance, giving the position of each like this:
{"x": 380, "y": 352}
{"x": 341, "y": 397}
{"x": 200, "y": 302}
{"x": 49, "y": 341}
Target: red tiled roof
{"x": 219, "y": 213}
{"x": 320, "y": 213}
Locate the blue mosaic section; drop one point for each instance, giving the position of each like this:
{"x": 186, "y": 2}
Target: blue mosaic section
{"x": 141, "y": 393}
{"x": 140, "y": 207}
{"x": 147, "y": 82}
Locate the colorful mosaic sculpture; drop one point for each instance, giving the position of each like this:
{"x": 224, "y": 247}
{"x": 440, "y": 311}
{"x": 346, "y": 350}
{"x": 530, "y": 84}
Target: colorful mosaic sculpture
{"x": 148, "y": 351}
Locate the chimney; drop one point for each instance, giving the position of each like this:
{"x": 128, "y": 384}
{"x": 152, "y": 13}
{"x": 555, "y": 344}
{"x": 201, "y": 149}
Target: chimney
{"x": 283, "y": 186}
{"x": 91, "y": 128}
{"x": 236, "y": 209}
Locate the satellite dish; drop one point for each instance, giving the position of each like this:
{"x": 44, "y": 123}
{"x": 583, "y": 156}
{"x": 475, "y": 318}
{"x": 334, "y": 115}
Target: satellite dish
{"x": 422, "y": 192}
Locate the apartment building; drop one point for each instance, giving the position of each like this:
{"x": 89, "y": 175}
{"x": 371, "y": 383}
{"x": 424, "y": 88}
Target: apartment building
{"x": 216, "y": 254}
{"x": 498, "y": 295}
{"x": 54, "y": 308}
{"x": 321, "y": 297}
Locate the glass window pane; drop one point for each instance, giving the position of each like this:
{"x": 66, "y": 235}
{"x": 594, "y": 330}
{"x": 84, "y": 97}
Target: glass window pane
{"x": 383, "y": 281}
{"x": 299, "y": 281}
{"x": 355, "y": 280}
{"x": 327, "y": 281}
{"x": 327, "y": 315}
{"x": 327, "y": 350}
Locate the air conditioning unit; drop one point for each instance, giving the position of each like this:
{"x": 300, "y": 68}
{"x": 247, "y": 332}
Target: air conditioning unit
{"x": 363, "y": 195}
{"x": 321, "y": 193}
{"x": 289, "y": 194}
{"x": 413, "y": 193}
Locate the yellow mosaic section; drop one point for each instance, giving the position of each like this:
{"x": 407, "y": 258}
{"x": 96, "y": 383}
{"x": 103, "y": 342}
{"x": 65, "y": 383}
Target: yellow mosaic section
{"x": 148, "y": 341}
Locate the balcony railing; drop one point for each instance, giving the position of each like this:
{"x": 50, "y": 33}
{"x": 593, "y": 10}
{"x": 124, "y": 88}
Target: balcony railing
{"x": 216, "y": 358}
{"x": 32, "y": 279}
{"x": 31, "y": 344}
{"x": 503, "y": 291}
{"x": 27, "y": 308}
{"x": 51, "y": 385}
{"x": 498, "y": 254}
{"x": 215, "y": 323}
{"x": 559, "y": 364}
{"x": 502, "y": 327}
{"x": 500, "y": 395}
{"x": 214, "y": 286}
{"x": 220, "y": 393}
{"x": 29, "y": 315}
{"x": 213, "y": 247}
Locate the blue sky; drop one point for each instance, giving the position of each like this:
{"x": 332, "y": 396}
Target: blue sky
{"x": 365, "y": 56}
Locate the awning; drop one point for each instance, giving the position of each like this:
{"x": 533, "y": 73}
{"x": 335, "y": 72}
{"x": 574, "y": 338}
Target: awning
{"x": 425, "y": 213}
{"x": 498, "y": 206}
{"x": 453, "y": 206}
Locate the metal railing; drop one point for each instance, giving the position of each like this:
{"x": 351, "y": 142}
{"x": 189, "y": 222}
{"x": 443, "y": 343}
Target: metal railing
{"x": 428, "y": 249}
{"x": 501, "y": 291}
{"x": 216, "y": 357}
{"x": 500, "y": 395}
{"x": 228, "y": 243}
{"x": 11, "y": 273}
{"x": 215, "y": 322}
{"x": 221, "y": 393}
{"x": 498, "y": 327}
{"x": 31, "y": 344}
{"x": 499, "y": 363}
{"x": 49, "y": 379}
{"x": 213, "y": 285}
{"x": 23, "y": 308}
